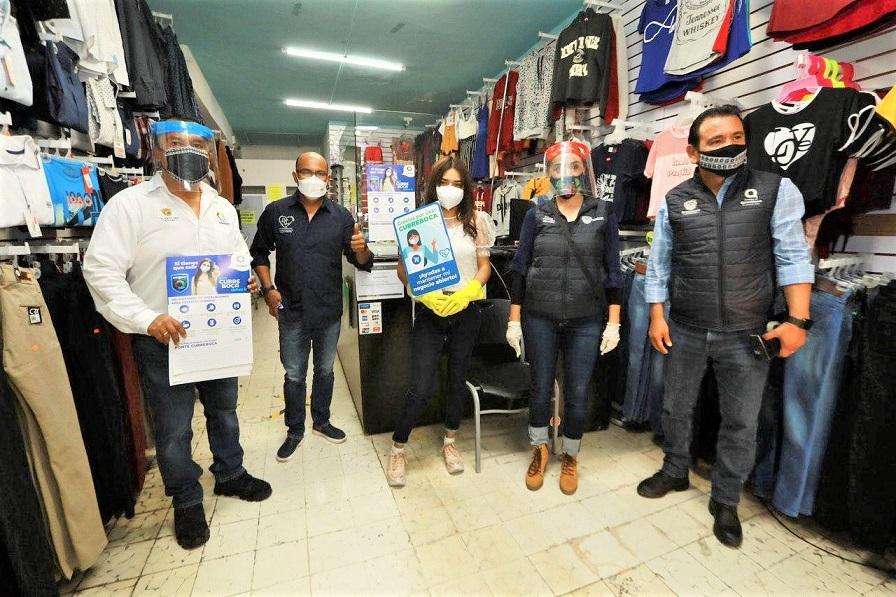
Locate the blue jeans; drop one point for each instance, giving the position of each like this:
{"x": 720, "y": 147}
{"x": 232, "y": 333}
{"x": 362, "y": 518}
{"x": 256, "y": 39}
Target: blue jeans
{"x": 741, "y": 380}
{"x": 644, "y": 382}
{"x": 811, "y": 386}
{"x": 579, "y": 341}
{"x": 296, "y": 342}
{"x": 171, "y": 408}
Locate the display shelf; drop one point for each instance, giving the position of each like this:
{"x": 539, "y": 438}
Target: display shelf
{"x": 20, "y": 233}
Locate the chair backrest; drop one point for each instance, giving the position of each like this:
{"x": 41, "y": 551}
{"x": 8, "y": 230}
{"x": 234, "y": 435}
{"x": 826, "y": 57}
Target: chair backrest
{"x": 492, "y": 342}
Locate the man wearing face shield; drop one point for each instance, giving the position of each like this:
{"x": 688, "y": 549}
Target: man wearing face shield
{"x": 565, "y": 299}
{"x": 720, "y": 241}
{"x": 174, "y": 213}
{"x": 310, "y": 234}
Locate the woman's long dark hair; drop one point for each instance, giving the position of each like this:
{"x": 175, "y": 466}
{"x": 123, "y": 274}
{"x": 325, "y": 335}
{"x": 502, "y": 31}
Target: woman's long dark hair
{"x": 466, "y": 210}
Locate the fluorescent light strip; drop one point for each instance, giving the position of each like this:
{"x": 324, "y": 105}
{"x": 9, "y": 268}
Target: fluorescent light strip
{"x": 333, "y": 57}
{"x": 297, "y": 103}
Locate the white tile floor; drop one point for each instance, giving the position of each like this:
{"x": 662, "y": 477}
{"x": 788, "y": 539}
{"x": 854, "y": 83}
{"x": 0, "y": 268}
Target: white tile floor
{"x": 333, "y": 526}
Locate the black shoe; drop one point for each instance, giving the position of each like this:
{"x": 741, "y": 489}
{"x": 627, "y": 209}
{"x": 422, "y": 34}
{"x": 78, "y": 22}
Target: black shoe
{"x": 660, "y": 484}
{"x": 727, "y": 524}
{"x": 330, "y": 433}
{"x": 245, "y": 487}
{"x": 190, "y": 526}
{"x": 289, "y": 447}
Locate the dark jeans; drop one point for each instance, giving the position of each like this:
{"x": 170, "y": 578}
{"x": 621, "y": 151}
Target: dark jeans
{"x": 296, "y": 341}
{"x": 172, "y": 413}
{"x": 741, "y": 380}
{"x": 431, "y": 334}
{"x": 579, "y": 341}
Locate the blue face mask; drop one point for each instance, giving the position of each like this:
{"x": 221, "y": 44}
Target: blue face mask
{"x": 567, "y": 186}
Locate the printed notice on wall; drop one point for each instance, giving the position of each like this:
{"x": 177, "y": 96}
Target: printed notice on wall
{"x": 390, "y": 193}
{"x": 425, "y": 249}
{"x": 370, "y": 318}
{"x": 209, "y": 295}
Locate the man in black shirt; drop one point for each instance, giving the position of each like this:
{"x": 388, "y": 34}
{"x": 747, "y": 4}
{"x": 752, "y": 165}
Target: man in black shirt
{"x": 310, "y": 233}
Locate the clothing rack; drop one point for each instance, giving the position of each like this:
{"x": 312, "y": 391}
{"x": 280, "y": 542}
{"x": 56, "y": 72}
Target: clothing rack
{"x": 602, "y": 4}
{"x": 103, "y": 161}
{"x": 706, "y": 100}
{"x": 543, "y": 35}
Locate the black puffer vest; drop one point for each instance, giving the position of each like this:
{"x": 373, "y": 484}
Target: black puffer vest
{"x": 723, "y": 266}
{"x": 556, "y": 287}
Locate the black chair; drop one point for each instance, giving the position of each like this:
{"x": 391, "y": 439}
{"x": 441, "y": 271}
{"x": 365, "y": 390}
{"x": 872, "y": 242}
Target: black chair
{"x": 497, "y": 373}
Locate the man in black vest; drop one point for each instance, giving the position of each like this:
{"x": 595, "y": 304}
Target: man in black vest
{"x": 722, "y": 242}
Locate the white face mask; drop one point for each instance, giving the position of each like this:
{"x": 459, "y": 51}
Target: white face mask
{"x": 449, "y": 196}
{"x": 312, "y": 187}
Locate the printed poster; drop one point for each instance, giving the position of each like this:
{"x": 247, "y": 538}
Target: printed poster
{"x": 390, "y": 193}
{"x": 209, "y": 295}
{"x": 425, "y": 249}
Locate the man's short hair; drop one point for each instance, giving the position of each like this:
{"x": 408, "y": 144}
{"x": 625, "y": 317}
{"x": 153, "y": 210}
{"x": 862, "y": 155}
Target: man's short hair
{"x": 726, "y": 110}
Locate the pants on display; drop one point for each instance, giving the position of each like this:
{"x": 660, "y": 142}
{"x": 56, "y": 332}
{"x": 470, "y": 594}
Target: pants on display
{"x": 768, "y": 433}
{"x": 741, "y": 381}
{"x": 811, "y": 386}
{"x": 129, "y": 381}
{"x": 431, "y": 334}
{"x": 36, "y": 372}
{"x": 172, "y": 413}
{"x": 26, "y": 562}
{"x": 296, "y": 341}
{"x": 578, "y": 341}
{"x": 644, "y": 386}
{"x": 622, "y": 351}
{"x": 91, "y": 373}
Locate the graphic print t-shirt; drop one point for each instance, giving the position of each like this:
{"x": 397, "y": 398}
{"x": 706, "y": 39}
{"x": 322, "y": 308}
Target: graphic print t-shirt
{"x": 619, "y": 171}
{"x": 737, "y": 37}
{"x": 74, "y": 189}
{"x": 810, "y": 142}
{"x": 502, "y": 120}
{"x": 583, "y": 60}
{"x": 668, "y": 165}
{"x": 657, "y": 25}
{"x": 698, "y": 27}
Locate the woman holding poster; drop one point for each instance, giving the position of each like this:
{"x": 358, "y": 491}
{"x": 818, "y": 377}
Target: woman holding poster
{"x": 565, "y": 284}
{"x": 448, "y": 318}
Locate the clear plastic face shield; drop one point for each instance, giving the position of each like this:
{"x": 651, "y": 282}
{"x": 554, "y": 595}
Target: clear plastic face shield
{"x": 568, "y": 165}
{"x": 185, "y": 152}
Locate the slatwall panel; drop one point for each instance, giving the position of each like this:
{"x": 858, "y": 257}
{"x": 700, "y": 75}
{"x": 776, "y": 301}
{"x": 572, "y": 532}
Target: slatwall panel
{"x": 755, "y": 79}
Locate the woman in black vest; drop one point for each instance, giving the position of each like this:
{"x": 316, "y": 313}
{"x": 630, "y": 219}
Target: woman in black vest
{"x": 446, "y": 320}
{"x": 564, "y": 276}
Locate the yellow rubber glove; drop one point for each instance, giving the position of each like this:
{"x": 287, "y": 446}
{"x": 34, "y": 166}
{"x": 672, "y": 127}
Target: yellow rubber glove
{"x": 435, "y": 301}
{"x": 459, "y": 301}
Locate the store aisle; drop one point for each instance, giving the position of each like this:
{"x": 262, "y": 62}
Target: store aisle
{"x": 333, "y": 526}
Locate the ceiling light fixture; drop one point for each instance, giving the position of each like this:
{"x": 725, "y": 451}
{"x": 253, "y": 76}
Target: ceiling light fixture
{"x": 343, "y": 58}
{"x": 298, "y": 103}
{"x": 366, "y": 127}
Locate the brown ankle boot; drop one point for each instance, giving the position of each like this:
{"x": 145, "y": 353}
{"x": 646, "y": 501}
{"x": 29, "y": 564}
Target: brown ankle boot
{"x": 535, "y": 474}
{"x": 569, "y": 474}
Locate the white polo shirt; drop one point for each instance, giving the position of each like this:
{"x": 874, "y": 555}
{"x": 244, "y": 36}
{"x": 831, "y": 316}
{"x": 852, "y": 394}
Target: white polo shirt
{"x": 137, "y": 230}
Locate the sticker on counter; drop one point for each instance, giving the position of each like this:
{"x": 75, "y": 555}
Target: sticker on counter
{"x": 370, "y": 318}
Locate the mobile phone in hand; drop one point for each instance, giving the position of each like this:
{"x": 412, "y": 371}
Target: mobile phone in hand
{"x": 764, "y": 350}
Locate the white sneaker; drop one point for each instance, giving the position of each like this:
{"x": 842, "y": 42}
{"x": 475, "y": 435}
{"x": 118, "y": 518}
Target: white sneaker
{"x": 396, "y": 473}
{"x": 454, "y": 460}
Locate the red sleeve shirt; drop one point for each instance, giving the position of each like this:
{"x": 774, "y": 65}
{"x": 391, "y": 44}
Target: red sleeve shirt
{"x": 495, "y": 116}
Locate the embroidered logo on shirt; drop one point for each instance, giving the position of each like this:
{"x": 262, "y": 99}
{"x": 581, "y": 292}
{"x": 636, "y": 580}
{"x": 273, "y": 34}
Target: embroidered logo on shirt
{"x": 286, "y": 223}
{"x": 167, "y": 215}
{"x": 751, "y": 198}
{"x": 222, "y": 219}
{"x": 548, "y": 220}
{"x": 690, "y": 207}
{"x": 589, "y": 219}
{"x": 785, "y": 145}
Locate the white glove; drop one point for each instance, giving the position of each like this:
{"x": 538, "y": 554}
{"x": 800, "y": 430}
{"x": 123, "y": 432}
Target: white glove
{"x": 515, "y": 337}
{"x": 610, "y": 339}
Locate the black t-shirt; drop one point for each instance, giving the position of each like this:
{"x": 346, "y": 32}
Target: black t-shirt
{"x": 810, "y": 143}
{"x": 619, "y": 173}
{"x": 582, "y": 63}
{"x": 111, "y": 184}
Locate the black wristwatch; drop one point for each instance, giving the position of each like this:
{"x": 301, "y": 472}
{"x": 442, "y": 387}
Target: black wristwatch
{"x": 806, "y": 324}
{"x": 266, "y": 290}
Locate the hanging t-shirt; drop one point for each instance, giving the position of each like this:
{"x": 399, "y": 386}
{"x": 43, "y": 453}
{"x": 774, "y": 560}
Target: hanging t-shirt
{"x": 668, "y": 165}
{"x": 533, "y": 102}
{"x": 698, "y": 27}
{"x": 739, "y": 42}
{"x": 23, "y": 185}
{"x": 503, "y": 120}
{"x": 887, "y": 106}
{"x": 15, "y": 79}
{"x": 111, "y": 184}
{"x": 583, "y": 60}
{"x": 467, "y": 125}
{"x": 864, "y": 16}
{"x": 403, "y": 150}
{"x": 811, "y": 141}
{"x": 479, "y": 167}
{"x": 539, "y": 186}
{"x": 657, "y": 26}
{"x": 373, "y": 154}
{"x": 449, "y": 135}
{"x": 501, "y": 205}
{"x": 619, "y": 173}
{"x": 482, "y": 198}
{"x": 74, "y": 190}
{"x": 789, "y": 16}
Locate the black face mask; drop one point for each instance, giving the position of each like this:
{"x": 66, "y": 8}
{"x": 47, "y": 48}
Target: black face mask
{"x": 187, "y": 164}
{"x": 723, "y": 161}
